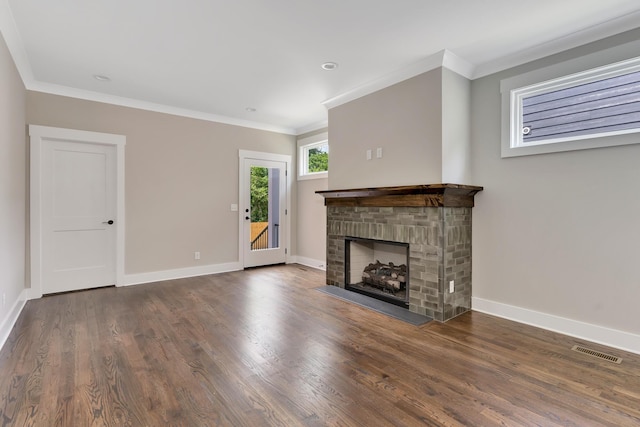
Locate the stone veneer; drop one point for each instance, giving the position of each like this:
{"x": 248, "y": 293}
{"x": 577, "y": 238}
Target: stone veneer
{"x": 439, "y": 241}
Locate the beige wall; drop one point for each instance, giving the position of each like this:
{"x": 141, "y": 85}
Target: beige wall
{"x": 312, "y": 216}
{"x": 556, "y": 233}
{"x": 403, "y": 119}
{"x": 181, "y": 178}
{"x": 312, "y": 221}
{"x": 13, "y": 154}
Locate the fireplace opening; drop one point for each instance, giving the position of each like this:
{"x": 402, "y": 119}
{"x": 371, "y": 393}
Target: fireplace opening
{"x": 378, "y": 268}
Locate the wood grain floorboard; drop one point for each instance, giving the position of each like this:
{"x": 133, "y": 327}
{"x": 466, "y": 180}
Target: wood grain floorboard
{"x": 262, "y": 347}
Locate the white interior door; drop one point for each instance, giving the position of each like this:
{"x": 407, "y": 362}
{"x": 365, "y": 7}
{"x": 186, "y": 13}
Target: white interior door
{"x": 77, "y": 209}
{"x": 263, "y": 210}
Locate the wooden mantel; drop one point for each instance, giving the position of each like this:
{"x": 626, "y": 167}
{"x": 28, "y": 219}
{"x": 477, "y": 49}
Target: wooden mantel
{"x": 432, "y": 195}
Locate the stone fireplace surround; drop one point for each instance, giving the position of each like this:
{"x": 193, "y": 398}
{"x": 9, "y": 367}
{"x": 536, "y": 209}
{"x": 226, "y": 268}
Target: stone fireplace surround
{"x": 435, "y": 220}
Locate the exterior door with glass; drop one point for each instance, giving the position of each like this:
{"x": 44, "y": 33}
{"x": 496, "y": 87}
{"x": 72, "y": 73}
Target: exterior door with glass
{"x": 264, "y": 212}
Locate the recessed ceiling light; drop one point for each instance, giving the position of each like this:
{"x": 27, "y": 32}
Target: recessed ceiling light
{"x": 250, "y": 109}
{"x": 329, "y": 66}
{"x": 101, "y": 78}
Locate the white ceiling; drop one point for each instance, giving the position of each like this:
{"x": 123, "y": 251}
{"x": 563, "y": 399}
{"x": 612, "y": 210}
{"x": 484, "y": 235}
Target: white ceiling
{"x": 213, "y": 59}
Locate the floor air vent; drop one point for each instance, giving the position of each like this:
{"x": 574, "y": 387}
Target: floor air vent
{"x": 599, "y": 355}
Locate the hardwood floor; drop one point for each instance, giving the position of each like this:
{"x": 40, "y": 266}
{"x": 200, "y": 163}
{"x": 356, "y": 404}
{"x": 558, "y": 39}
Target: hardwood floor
{"x": 263, "y": 348}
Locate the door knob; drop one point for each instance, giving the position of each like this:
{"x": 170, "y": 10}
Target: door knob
{"x": 108, "y": 222}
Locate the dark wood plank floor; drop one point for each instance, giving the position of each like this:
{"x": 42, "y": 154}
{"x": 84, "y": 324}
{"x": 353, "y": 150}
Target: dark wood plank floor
{"x": 263, "y": 348}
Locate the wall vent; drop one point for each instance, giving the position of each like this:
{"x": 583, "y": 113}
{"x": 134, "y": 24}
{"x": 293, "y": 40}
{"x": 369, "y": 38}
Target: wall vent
{"x": 598, "y": 354}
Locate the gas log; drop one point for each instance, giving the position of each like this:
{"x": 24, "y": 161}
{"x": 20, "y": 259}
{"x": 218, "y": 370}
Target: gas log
{"x": 388, "y": 277}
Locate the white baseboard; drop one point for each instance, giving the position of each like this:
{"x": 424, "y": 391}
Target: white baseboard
{"x": 310, "y": 262}
{"x": 12, "y": 316}
{"x": 179, "y": 273}
{"x": 586, "y": 331}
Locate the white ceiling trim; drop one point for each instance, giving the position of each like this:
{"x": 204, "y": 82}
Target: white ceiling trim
{"x": 448, "y": 59}
{"x": 14, "y": 43}
{"x": 151, "y": 106}
{"x": 312, "y": 127}
{"x": 443, "y": 58}
{"x": 458, "y": 65}
{"x": 16, "y": 49}
{"x": 561, "y": 44}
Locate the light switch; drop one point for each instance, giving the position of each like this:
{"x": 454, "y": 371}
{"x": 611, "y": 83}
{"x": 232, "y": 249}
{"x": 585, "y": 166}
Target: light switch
{"x": 368, "y": 154}
{"x": 379, "y": 152}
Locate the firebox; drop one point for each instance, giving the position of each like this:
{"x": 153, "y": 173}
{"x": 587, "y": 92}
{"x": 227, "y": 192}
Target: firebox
{"x": 378, "y": 268}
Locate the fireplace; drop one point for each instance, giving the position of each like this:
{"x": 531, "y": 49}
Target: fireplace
{"x": 377, "y": 268}
{"x": 433, "y": 221}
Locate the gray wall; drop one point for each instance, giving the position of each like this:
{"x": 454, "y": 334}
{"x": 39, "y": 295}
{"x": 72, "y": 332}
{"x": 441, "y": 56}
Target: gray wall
{"x": 13, "y": 172}
{"x": 181, "y": 178}
{"x": 456, "y": 133}
{"x": 556, "y": 233}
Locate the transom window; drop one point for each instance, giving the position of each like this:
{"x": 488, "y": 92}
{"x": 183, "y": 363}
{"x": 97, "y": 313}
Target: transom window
{"x": 594, "y": 104}
{"x": 602, "y": 106}
{"x": 313, "y": 154}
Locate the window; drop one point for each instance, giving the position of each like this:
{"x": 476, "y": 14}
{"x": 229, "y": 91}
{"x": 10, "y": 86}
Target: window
{"x": 313, "y": 157}
{"x": 573, "y": 112}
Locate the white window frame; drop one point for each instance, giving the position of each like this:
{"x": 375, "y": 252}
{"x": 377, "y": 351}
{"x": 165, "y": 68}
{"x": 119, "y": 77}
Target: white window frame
{"x": 304, "y": 145}
{"x": 515, "y": 89}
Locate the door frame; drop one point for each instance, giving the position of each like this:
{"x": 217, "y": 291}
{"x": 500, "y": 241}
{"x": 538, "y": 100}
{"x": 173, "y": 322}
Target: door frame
{"x": 38, "y": 138}
{"x": 257, "y": 155}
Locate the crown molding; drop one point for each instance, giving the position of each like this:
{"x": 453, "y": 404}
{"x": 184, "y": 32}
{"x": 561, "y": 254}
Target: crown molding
{"x": 312, "y": 127}
{"x": 151, "y": 106}
{"x": 14, "y": 43}
{"x": 444, "y": 58}
{"x": 578, "y": 38}
{"x": 16, "y": 48}
{"x": 458, "y": 64}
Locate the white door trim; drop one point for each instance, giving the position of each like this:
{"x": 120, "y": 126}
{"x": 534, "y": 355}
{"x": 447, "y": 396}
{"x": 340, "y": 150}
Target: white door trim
{"x": 38, "y": 137}
{"x": 257, "y": 155}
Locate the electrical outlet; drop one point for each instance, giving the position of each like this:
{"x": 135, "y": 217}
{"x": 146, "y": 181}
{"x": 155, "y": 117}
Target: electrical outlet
{"x": 196, "y": 255}
{"x": 452, "y": 286}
